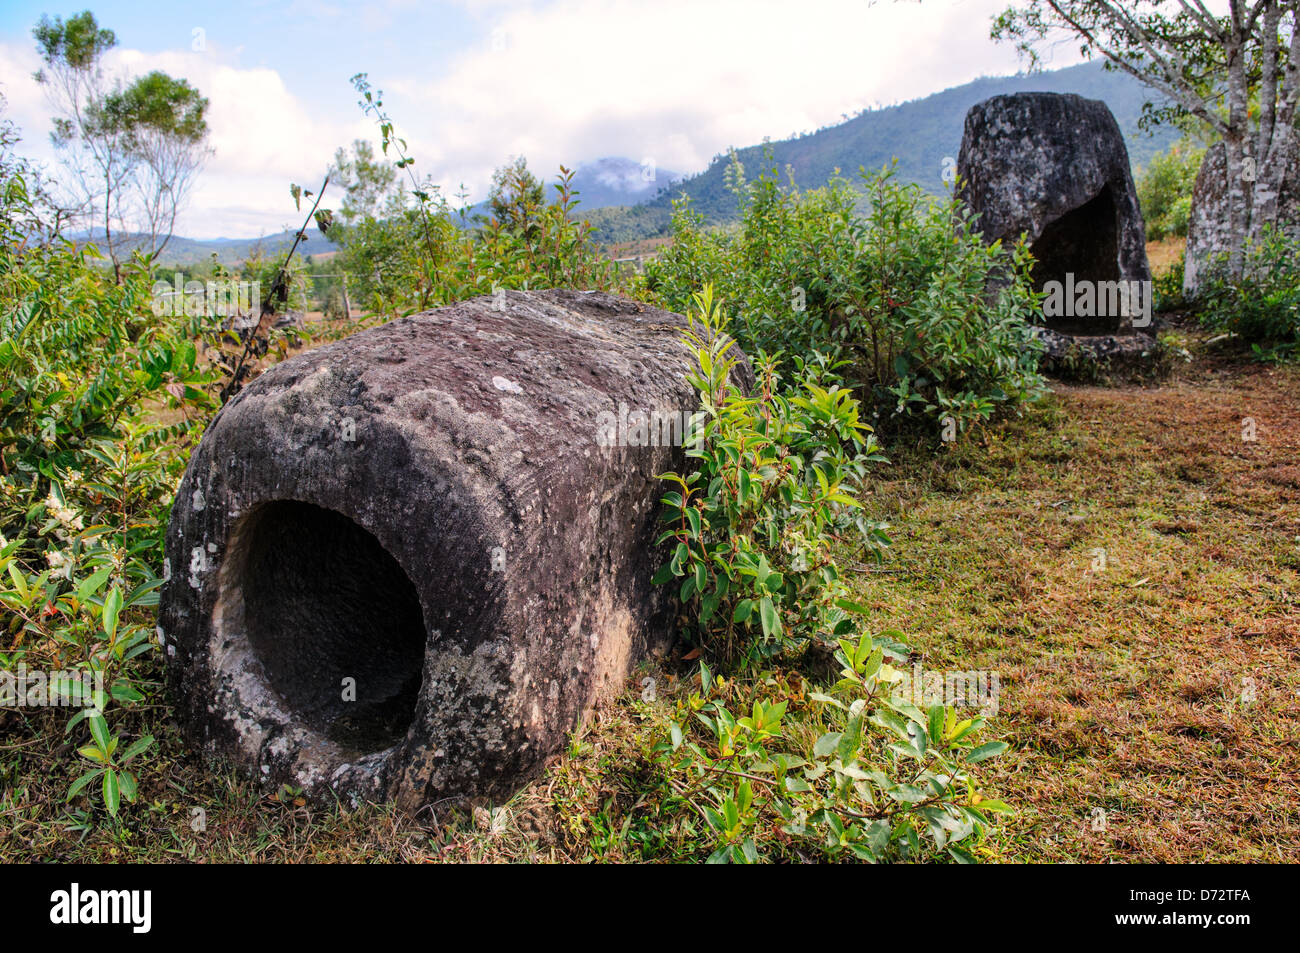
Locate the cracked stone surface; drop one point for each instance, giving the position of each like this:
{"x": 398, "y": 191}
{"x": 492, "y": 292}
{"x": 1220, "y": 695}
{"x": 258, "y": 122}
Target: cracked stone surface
{"x": 1113, "y": 351}
{"x": 1208, "y": 227}
{"x": 405, "y": 565}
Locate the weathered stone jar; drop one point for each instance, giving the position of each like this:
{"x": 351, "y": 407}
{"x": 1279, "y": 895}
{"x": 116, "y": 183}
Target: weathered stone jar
{"x": 1054, "y": 167}
{"x": 406, "y": 564}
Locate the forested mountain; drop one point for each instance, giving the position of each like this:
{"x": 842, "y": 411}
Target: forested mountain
{"x": 920, "y": 134}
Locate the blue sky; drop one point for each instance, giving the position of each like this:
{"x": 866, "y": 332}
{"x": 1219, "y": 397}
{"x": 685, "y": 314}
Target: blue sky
{"x": 316, "y": 46}
{"x": 472, "y": 82}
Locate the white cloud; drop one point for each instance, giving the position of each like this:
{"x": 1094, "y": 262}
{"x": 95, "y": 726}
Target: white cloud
{"x": 680, "y": 81}
{"x": 262, "y": 136}
{"x": 24, "y": 99}
{"x": 676, "y": 81}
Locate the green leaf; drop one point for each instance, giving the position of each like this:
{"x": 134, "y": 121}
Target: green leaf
{"x": 75, "y": 788}
{"x": 937, "y": 716}
{"x": 112, "y": 606}
{"x": 767, "y": 613}
{"x": 715, "y": 819}
{"x": 693, "y": 517}
{"x": 112, "y": 791}
{"x": 123, "y": 691}
{"x": 872, "y": 665}
{"x": 93, "y": 753}
{"x": 850, "y": 606}
{"x": 826, "y": 744}
{"x": 961, "y": 854}
{"x": 138, "y": 746}
{"x": 850, "y": 740}
{"x": 20, "y": 583}
{"x": 99, "y": 731}
{"x": 990, "y": 750}
{"x": 92, "y": 583}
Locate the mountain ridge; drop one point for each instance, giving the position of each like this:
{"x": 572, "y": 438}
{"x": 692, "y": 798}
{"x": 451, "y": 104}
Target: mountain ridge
{"x": 920, "y": 133}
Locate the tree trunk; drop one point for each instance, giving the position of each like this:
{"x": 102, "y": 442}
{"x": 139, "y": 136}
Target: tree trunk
{"x": 1237, "y": 145}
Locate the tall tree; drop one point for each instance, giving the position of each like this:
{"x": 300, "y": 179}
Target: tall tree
{"x": 370, "y": 183}
{"x": 132, "y": 151}
{"x": 516, "y": 196}
{"x": 1238, "y": 73}
{"x": 159, "y": 121}
{"x": 73, "y": 79}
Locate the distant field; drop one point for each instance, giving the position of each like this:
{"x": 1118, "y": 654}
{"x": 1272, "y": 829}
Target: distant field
{"x": 1164, "y": 254}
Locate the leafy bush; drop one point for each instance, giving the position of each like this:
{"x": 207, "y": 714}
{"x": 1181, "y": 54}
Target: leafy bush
{"x": 755, "y": 522}
{"x": 411, "y": 251}
{"x": 424, "y": 258}
{"x": 1168, "y": 286}
{"x": 100, "y": 401}
{"x": 333, "y": 309}
{"x": 1164, "y": 190}
{"x": 1263, "y": 307}
{"x": 856, "y": 772}
{"x": 930, "y": 322}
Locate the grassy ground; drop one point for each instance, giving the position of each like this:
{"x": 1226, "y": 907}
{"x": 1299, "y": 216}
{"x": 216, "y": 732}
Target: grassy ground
{"x": 1152, "y": 705}
{"x": 1151, "y": 702}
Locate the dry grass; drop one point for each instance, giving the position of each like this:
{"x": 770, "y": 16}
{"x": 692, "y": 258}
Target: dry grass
{"x": 1163, "y": 690}
{"x": 1164, "y": 253}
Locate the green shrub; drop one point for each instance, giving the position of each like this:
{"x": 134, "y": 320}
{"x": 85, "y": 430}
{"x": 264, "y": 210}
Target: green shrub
{"x": 100, "y": 401}
{"x": 854, "y": 772}
{"x": 1164, "y": 190}
{"x": 929, "y": 321}
{"x": 1168, "y": 286}
{"x": 1263, "y": 307}
{"x": 417, "y": 253}
{"x": 333, "y": 309}
{"x": 423, "y": 258}
{"x": 775, "y": 487}
{"x": 858, "y": 773}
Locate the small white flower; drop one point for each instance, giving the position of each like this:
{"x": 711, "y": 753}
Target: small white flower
{"x": 59, "y": 563}
{"x": 64, "y": 514}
